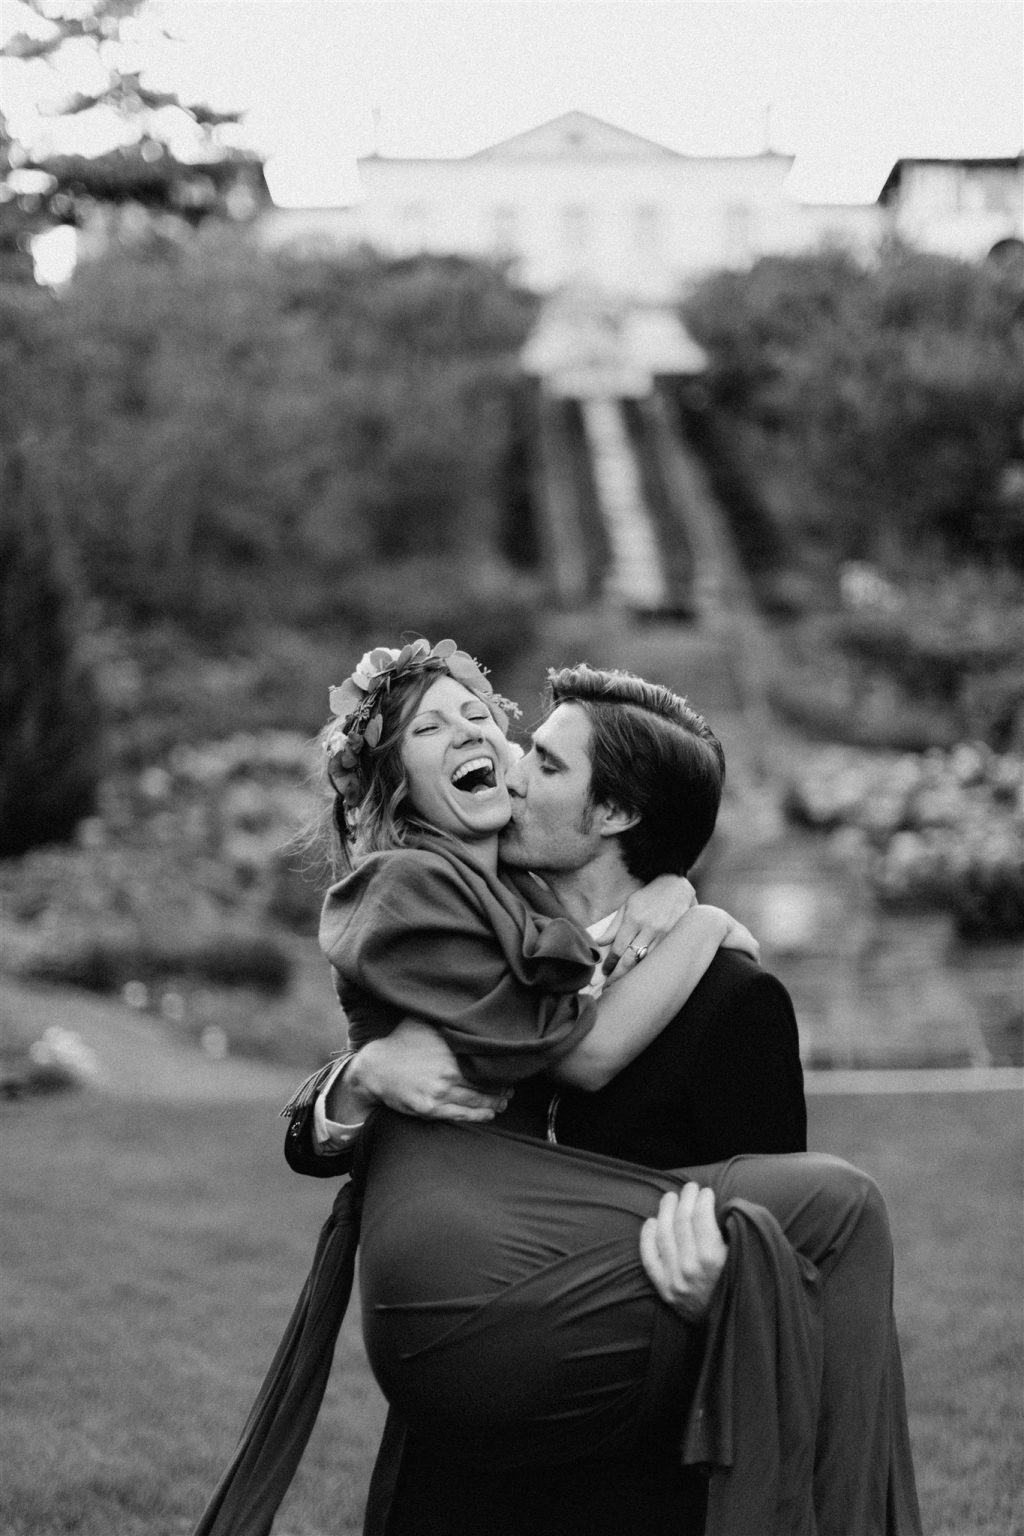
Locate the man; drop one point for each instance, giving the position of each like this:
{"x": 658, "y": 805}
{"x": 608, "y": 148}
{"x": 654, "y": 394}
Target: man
{"x": 622, "y": 782}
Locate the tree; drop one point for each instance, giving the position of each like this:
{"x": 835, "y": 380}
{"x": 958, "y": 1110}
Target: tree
{"x": 889, "y": 397}
{"x": 41, "y": 187}
{"x": 50, "y": 744}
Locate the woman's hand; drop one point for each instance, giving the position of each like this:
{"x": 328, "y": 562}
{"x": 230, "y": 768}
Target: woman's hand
{"x": 738, "y": 936}
{"x": 683, "y": 1252}
{"x": 649, "y": 914}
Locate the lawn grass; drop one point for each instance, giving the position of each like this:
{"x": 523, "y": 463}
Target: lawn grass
{"x": 153, "y": 1252}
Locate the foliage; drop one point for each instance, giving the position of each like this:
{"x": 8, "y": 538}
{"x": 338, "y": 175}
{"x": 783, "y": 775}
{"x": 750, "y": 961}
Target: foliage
{"x": 223, "y": 959}
{"x": 50, "y": 745}
{"x": 928, "y": 663}
{"x": 888, "y": 399}
{"x": 186, "y": 847}
{"x": 231, "y": 438}
{"x": 937, "y": 830}
{"x": 40, "y": 187}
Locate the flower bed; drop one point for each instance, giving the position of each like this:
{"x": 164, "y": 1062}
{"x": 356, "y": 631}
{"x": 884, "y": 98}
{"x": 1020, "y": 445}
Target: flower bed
{"x": 182, "y": 896}
{"x": 939, "y": 829}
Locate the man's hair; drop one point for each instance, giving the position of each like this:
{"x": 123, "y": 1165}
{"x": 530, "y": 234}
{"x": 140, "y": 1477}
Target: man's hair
{"x": 650, "y": 754}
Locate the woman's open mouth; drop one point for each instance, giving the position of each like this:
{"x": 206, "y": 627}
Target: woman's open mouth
{"x": 474, "y": 777}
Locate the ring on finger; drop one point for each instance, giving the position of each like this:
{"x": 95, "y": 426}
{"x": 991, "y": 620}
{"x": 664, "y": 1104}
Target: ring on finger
{"x": 640, "y": 953}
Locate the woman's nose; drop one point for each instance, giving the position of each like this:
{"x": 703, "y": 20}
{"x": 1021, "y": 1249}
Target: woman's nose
{"x": 468, "y": 730}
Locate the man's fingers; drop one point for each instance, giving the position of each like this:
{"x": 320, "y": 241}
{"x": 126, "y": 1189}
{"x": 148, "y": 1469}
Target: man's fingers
{"x": 682, "y": 1250}
{"x": 710, "y": 1244}
{"x": 650, "y": 1258}
{"x": 670, "y": 1222}
{"x": 469, "y": 1098}
{"x": 462, "y": 1114}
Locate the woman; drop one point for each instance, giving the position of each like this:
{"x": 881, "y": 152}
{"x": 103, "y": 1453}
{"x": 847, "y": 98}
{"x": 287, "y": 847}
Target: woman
{"x": 489, "y": 1258}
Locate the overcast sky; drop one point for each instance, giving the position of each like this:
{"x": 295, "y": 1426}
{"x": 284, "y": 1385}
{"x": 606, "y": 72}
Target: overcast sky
{"x": 847, "y": 85}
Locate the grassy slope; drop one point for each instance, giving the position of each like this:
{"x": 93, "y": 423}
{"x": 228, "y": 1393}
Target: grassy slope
{"x": 153, "y": 1254}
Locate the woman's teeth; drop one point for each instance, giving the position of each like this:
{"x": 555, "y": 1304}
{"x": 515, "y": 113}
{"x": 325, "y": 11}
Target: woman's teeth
{"x": 474, "y": 776}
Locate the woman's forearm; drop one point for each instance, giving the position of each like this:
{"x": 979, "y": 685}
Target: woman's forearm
{"x": 636, "y": 1009}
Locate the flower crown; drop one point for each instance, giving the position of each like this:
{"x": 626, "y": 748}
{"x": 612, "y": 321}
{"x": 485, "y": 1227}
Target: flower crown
{"x": 357, "y": 702}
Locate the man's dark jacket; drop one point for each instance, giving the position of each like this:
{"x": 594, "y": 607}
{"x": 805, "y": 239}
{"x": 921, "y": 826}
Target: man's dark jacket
{"x": 724, "y": 1077}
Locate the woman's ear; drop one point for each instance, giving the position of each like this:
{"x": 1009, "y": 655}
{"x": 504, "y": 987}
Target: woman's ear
{"x": 613, "y": 819}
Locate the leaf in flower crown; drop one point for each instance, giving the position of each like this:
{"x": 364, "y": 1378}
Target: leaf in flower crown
{"x": 382, "y": 658}
{"x": 465, "y": 670}
{"x": 416, "y": 650}
{"x": 373, "y": 731}
{"x": 345, "y": 698}
{"x": 443, "y": 649}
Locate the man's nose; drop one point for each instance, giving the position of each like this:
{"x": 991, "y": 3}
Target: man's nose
{"x": 515, "y": 779}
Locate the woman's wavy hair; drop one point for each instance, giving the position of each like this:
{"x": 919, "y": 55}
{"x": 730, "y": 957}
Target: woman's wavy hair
{"x": 652, "y": 754}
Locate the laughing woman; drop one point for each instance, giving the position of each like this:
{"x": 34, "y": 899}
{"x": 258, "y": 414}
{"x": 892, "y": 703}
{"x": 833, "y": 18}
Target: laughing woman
{"x": 517, "y": 1300}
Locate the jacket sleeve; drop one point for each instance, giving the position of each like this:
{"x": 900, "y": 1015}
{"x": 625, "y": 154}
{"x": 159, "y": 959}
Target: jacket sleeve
{"x": 301, "y": 1154}
{"x": 300, "y": 1149}
{"x": 748, "y": 1076}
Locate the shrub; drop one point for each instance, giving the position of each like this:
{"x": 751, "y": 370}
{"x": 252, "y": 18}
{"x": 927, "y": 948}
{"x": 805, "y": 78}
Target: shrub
{"x": 108, "y": 964}
{"x": 888, "y": 398}
{"x": 926, "y": 663}
{"x": 50, "y": 744}
{"x": 232, "y": 437}
{"x": 938, "y": 830}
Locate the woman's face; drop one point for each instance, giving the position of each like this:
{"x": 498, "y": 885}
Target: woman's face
{"x": 455, "y": 756}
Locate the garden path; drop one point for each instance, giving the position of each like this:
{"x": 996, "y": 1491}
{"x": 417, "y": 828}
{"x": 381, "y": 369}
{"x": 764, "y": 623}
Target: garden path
{"x": 136, "y": 1055}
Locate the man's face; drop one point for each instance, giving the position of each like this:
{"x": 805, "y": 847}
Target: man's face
{"x": 552, "y": 822}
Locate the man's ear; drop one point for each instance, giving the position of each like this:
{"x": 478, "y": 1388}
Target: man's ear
{"x": 612, "y": 819}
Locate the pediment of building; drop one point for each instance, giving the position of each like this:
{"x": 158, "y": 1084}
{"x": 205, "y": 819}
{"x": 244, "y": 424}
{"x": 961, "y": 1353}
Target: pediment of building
{"x": 576, "y": 136}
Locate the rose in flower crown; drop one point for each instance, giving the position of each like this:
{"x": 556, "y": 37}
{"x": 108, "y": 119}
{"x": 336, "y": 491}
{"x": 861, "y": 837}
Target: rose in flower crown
{"x": 357, "y": 702}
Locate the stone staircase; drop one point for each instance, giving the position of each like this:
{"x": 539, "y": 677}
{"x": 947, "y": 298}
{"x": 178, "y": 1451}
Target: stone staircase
{"x": 870, "y": 988}
{"x": 634, "y": 579}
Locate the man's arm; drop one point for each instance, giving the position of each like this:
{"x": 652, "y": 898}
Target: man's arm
{"x": 411, "y": 1070}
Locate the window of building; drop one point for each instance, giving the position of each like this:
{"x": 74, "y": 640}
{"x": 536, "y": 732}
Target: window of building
{"x": 415, "y": 226}
{"x": 739, "y": 221}
{"x": 647, "y": 228}
{"x": 505, "y": 229}
{"x": 576, "y": 229}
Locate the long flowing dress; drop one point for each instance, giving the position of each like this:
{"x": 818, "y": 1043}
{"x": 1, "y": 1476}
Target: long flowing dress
{"x": 506, "y": 1313}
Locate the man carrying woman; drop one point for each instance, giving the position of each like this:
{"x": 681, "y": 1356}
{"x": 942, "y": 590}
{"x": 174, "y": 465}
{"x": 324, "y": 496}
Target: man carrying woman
{"x": 509, "y": 1315}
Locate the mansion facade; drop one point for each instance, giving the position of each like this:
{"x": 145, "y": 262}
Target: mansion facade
{"x": 577, "y": 202}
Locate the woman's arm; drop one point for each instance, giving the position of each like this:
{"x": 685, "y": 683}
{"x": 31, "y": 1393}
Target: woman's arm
{"x": 636, "y": 1009}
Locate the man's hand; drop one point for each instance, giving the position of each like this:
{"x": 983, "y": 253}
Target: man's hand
{"x": 649, "y": 914}
{"x": 683, "y": 1252}
{"x": 413, "y": 1071}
